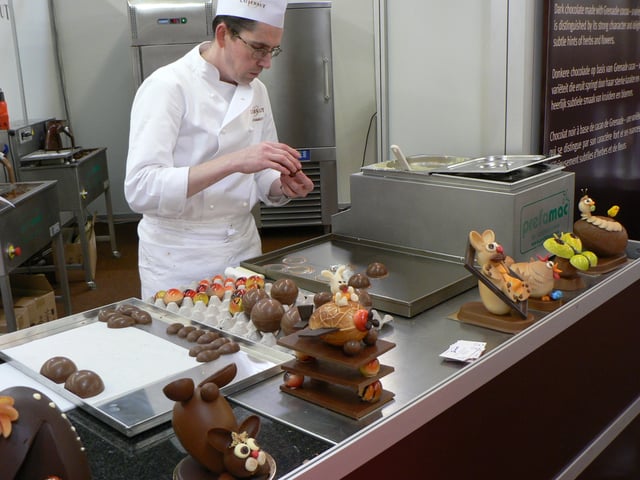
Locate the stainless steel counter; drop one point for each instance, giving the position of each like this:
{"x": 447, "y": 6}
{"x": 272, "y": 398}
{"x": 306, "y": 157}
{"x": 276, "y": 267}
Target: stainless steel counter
{"x": 424, "y": 384}
{"x": 427, "y": 387}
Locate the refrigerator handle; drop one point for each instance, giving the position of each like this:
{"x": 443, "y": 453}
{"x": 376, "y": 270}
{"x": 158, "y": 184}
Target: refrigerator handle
{"x": 325, "y": 66}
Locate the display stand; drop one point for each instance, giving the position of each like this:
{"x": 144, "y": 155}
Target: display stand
{"x": 332, "y": 378}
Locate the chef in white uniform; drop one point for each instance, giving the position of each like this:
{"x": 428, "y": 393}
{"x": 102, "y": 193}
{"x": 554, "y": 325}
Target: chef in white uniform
{"x": 203, "y": 151}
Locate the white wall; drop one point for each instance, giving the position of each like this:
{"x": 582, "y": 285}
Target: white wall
{"x": 458, "y": 77}
{"x": 95, "y": 45}
{"x": 37, "y": 93}
{"x": 9, "y": 72}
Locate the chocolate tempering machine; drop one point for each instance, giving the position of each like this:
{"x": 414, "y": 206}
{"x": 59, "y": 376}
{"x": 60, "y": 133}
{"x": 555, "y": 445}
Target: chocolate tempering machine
{"x": 415, "y": 217}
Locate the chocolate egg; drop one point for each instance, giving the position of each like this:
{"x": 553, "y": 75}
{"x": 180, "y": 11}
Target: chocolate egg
{"x": 266, "y": 314}
{"x": 285, "y": 291}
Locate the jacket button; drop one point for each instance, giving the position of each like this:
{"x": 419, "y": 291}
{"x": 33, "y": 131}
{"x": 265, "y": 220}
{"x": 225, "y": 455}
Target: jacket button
{"x": 211, "y": 207}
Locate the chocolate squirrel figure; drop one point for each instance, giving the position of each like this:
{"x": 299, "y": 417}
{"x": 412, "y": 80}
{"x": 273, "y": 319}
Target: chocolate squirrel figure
{"x": 208, "y": 430}
{"x": 37, "y": 441}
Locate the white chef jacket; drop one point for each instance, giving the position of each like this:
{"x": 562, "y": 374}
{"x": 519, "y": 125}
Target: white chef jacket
{"x": 183, "y": 115}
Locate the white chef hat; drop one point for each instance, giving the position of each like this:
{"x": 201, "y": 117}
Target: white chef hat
{"x": 265, "y": 11}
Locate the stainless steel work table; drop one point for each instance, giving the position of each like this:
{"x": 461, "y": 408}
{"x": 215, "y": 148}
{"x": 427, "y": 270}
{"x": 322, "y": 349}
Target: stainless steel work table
{"x": 430, "y": 391}
{"x": 425, "y": 385}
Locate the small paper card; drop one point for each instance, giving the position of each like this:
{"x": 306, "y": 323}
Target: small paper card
{"x": 464, "y": 351}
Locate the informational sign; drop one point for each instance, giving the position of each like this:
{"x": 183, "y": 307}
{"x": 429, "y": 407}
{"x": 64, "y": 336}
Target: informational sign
{"x": 592, "y": 100}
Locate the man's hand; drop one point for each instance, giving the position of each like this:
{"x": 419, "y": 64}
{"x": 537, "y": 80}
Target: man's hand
{"x": 277, "y": 156}
{"x": 296, "y": 185}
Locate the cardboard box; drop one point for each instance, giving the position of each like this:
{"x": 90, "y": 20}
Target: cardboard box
{"x": 35, "y": 296}
{"x": 73, "y": 251}
{"x": 22, "y": 319}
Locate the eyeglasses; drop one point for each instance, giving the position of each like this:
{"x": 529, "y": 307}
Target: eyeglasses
{"x": 259, "y": 52}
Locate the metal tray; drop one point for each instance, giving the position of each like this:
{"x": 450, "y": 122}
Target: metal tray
{"x": 419, "y": 163}
{"x": 40, "y": 155}
{"x": 132, "y": 409}
{"x": 498, "y": 164}
{"x": 417, "y": 279}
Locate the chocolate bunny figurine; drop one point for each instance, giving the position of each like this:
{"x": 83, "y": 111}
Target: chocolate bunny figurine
{"x": 208, "y": 430}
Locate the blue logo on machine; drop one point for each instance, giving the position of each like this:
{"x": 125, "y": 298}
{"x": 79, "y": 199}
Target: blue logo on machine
{"x": 305, "y": 154}
{"x": 542, "y": 218}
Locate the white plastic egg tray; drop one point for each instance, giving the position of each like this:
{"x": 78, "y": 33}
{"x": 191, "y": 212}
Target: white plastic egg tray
{"x": 216, "y": 314}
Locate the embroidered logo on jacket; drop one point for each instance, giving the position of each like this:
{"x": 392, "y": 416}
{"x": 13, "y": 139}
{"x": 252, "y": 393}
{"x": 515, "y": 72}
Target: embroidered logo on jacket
{"x": 257, "y": 113}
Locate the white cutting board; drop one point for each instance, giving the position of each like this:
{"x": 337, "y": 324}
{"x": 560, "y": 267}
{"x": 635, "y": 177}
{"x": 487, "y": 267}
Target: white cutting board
{"x": 125, "y": 358}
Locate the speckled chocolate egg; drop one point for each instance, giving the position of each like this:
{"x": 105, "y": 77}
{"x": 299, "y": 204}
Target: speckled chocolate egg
{"x": 251, "y": 297}
{"x": 266, "y": 314}
{"x": 285, "y": 291}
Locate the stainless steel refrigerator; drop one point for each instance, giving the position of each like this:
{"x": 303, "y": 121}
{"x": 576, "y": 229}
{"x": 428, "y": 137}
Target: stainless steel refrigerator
{"x": 300, "y": 85}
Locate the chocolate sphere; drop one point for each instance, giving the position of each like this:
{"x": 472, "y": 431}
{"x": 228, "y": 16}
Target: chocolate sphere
{"x": 376, "y": 270}
{"x": 251, "y": 297}
{"x": 359, "y": 280}
{"x": 285, "y": 291}
{"x": 266, "y": 314}
{"x": 321, "y": 298}
{"x": 58, "y": 369}
{"x": 290, "y": 318}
